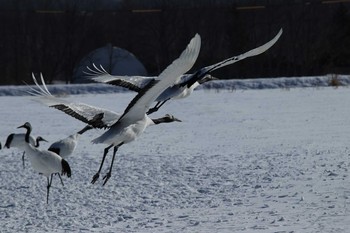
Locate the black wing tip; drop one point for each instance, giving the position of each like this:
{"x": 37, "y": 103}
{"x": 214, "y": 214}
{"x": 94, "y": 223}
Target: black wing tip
{"x": 66, "y": 168}
{"x": 125, "y": 84}
{"x": 96, "y": 122}
{"x": 121, "y": 83}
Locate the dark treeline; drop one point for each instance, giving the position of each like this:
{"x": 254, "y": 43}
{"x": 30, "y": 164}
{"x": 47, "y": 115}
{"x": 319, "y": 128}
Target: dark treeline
{"x": 53, "y": 36}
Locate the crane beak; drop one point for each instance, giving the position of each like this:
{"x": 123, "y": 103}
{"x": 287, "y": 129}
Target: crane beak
{"x": 175, "y": 119}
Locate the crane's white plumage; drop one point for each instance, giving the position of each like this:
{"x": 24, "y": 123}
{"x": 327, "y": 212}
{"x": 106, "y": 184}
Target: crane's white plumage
{"x": 92, "y": 115}
{"x": 18, "y": 141}
{"x": 134, "y": 120}
{"x": 184, "y": 86}
{"x": 65, "y": 147}
{"x": 172, "y": 74}
{"x": 44, "y": 162}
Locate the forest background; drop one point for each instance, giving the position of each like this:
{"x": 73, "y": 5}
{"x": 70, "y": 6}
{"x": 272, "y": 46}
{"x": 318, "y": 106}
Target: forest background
{"x": 52, "y": 36}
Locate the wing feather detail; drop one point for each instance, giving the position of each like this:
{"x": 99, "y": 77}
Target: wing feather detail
{"x": 142, "y": 102}
{"x": 254, "y": 52}
{"x": 94, "y": 116}
{"x": 133, "y": 83}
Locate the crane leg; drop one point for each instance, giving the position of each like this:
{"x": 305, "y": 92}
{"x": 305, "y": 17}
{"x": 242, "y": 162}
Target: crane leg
{"x": 97, "y": 175}
{"x": 157, "y": 107}
{"x": 49, "y": 181}
{"x": 23, "y": 162}
{"x": 109, "y": 173}
{"x": 59, "y": 176}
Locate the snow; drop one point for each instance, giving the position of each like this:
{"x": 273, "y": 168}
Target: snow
{"x": 234, "y": 84}
{"x": 242, "y": 160}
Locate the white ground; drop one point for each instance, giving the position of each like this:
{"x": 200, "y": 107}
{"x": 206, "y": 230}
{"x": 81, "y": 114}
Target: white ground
{"x": 242, "y": 161}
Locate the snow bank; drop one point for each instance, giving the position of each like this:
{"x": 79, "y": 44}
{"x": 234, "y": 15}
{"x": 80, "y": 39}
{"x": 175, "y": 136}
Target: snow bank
{"x": 285, "y": 82}
{"x": 234, "y": 84}
{"x": 245, "y": 161}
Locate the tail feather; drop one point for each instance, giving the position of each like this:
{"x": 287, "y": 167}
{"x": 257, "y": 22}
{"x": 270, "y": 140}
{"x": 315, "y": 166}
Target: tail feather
{"x": 9, "y": 140}
{"x": 66, "y": 168}
{"x": 55, "y": 149}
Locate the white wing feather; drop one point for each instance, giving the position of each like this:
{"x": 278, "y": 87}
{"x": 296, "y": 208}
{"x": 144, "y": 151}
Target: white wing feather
{"x": 102, "y": 76}
{"x": 141, "y": 103}
{"x": 99, "y": 74}
{"x": 250, "y": 53}
{"x": 95, "y": 116}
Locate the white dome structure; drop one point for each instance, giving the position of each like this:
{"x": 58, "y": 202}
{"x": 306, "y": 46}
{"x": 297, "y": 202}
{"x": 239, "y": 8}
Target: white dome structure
{"x": 115, "y": 60}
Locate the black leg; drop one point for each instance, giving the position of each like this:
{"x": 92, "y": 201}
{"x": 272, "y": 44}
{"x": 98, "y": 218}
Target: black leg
{"x": 47, "y": 190}
{"x": 49, "y": 181}
{"x": 154, "y": 109}
{"x": 23, "y": 160}
{"x": 157, "y": 107}
{"x": 162, "y": 104}
{"x": 97, "y": 175}
{"x": 60, "y": 178}
{"x": 108, "y": 175}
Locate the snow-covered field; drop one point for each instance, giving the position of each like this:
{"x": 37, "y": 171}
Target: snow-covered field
{"x": 267, "y": 160}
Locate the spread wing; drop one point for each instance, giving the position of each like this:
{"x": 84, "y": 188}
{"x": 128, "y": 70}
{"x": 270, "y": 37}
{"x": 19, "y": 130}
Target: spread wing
{"x": 254, "y": 52}
{"x": 133, "y": 83}
{"x": 137, "y": 108}
{"x": 94, "y": 116}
